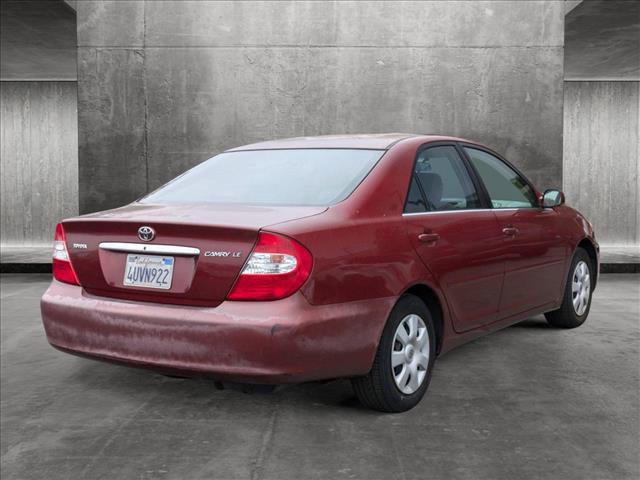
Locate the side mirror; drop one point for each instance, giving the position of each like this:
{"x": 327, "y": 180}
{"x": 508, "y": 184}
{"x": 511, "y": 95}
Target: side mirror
{"x": 552, "y": 198}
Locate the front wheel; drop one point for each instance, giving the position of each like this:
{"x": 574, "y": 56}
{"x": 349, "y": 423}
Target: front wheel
{"x": 577, "y": 295}
{"x": 403, "y": 363}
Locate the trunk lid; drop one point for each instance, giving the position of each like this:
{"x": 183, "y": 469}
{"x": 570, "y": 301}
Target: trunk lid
{"x": 219, "y": 238}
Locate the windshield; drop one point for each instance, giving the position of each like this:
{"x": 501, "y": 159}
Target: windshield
{"x": 271, "y": 177}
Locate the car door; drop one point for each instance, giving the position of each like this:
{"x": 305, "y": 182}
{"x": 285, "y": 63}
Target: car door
{"x": 457, "y": 239}
{"x": 534, "y": 252}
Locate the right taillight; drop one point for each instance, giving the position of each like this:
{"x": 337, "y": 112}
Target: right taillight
{"x": 277, "y": 268}
{"x": 62, "y": 269}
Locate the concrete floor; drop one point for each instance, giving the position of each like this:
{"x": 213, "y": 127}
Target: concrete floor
{"x": 526, "y": 402}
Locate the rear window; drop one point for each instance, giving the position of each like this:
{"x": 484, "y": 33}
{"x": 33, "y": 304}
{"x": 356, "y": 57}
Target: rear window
{"x": 271, "y": 177}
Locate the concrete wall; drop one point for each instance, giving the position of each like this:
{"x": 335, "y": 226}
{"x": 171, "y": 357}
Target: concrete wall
{"x": 165, "y": 85}
{"x": 602, "y": 41}
{"x": 39, "y": 181}
{"x": 37, "y": 41}
{"x": 602, "y": 157}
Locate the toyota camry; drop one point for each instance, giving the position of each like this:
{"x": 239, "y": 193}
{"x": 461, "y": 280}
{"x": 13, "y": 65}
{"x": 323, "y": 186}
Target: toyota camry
{"x": 356, "y": 256}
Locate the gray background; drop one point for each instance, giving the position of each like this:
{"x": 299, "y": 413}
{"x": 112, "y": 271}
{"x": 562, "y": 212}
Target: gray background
{"x": 38, "y": 40}
{"x": 39, "y": 181}
{"x": 601, "y": 155}
{"x": 165, "y": 85}
{"x": 162, "y": 86}
{"x": 601, "y": 151}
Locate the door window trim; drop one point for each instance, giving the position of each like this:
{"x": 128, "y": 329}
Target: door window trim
{"x": 462, "y": 210}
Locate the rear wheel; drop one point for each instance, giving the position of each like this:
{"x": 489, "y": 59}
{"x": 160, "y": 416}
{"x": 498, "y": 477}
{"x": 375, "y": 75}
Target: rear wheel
{"x": 577, "y": 295}
{"x": 402, "y": 367}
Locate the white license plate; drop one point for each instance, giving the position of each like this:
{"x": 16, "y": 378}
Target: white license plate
{"x": 150, "y": 271}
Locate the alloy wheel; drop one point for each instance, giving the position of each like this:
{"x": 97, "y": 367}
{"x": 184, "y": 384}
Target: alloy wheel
{"x": 581, "y": 288}
{"x": 410, "y": 354}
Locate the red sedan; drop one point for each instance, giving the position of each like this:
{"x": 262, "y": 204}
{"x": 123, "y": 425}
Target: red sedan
{"x": 360, "y": 256}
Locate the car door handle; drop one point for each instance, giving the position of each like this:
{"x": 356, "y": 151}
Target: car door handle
{"x": 510, "y": 231}
{"x": 428, "y": 237}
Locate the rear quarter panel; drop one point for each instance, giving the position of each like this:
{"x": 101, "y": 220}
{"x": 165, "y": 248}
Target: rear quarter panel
{"x": 360, "y": 246}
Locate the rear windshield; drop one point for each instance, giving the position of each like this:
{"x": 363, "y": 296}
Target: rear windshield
{"x": 271, "y": 177}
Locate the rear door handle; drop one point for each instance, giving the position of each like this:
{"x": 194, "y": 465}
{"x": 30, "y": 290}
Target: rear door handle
{"x": 428, "y": 237}
{"x": 510, "y": 231}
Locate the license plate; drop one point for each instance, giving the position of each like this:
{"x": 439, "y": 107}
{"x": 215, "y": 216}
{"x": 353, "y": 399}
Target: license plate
{"x": 149, "y": 271}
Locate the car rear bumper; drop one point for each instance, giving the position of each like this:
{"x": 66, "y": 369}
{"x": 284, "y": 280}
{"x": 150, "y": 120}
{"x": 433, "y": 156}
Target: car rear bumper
{"x": 261, "y": 342}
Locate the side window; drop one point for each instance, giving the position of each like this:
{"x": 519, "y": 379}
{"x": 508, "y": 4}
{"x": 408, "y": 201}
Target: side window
{"x": 506, "y": 188}
{"x": 445, "y": 180}
{"x": 415, "y": 200}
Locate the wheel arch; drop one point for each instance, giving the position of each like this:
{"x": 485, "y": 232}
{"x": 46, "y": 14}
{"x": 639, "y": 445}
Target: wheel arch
{"x": 431, "y": 299}
{"x": 587, "y": 244}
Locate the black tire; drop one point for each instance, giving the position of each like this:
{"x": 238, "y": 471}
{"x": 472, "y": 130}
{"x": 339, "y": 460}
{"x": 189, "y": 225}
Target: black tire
{"x": 378, "y": 389}
{"x": 566, "y": 316}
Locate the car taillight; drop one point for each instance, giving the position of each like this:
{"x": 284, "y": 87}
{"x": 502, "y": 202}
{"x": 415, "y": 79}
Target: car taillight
{"x": 62, "y": 269}
{"x": 277, "y": 268}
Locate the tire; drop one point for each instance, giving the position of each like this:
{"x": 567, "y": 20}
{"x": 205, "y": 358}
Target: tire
{"x": 379, "y": 389}
{"x": 570, "y": 315}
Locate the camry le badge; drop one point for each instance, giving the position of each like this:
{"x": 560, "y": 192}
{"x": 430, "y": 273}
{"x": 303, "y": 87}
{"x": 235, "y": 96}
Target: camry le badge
{"x": 146, "y": 234}
{"x": 222, "y": 254}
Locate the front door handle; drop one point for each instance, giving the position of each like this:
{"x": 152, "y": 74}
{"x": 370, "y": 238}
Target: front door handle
{"x": 510, "y": 231}
{"x": 428, "y": 237}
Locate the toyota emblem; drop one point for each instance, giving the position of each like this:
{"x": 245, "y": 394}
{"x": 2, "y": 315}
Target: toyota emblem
{"x": 146, "y": 234}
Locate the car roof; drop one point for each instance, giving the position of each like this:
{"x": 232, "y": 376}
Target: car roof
{"x": 375, "y": 141}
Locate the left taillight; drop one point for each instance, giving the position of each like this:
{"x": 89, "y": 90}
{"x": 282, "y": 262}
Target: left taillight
{"x": 277, "y": 267}
{"x": 62, "y": 269}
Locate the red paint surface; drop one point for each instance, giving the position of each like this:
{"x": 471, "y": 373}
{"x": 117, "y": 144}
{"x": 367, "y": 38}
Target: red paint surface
{"x": 366, "y": 254}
